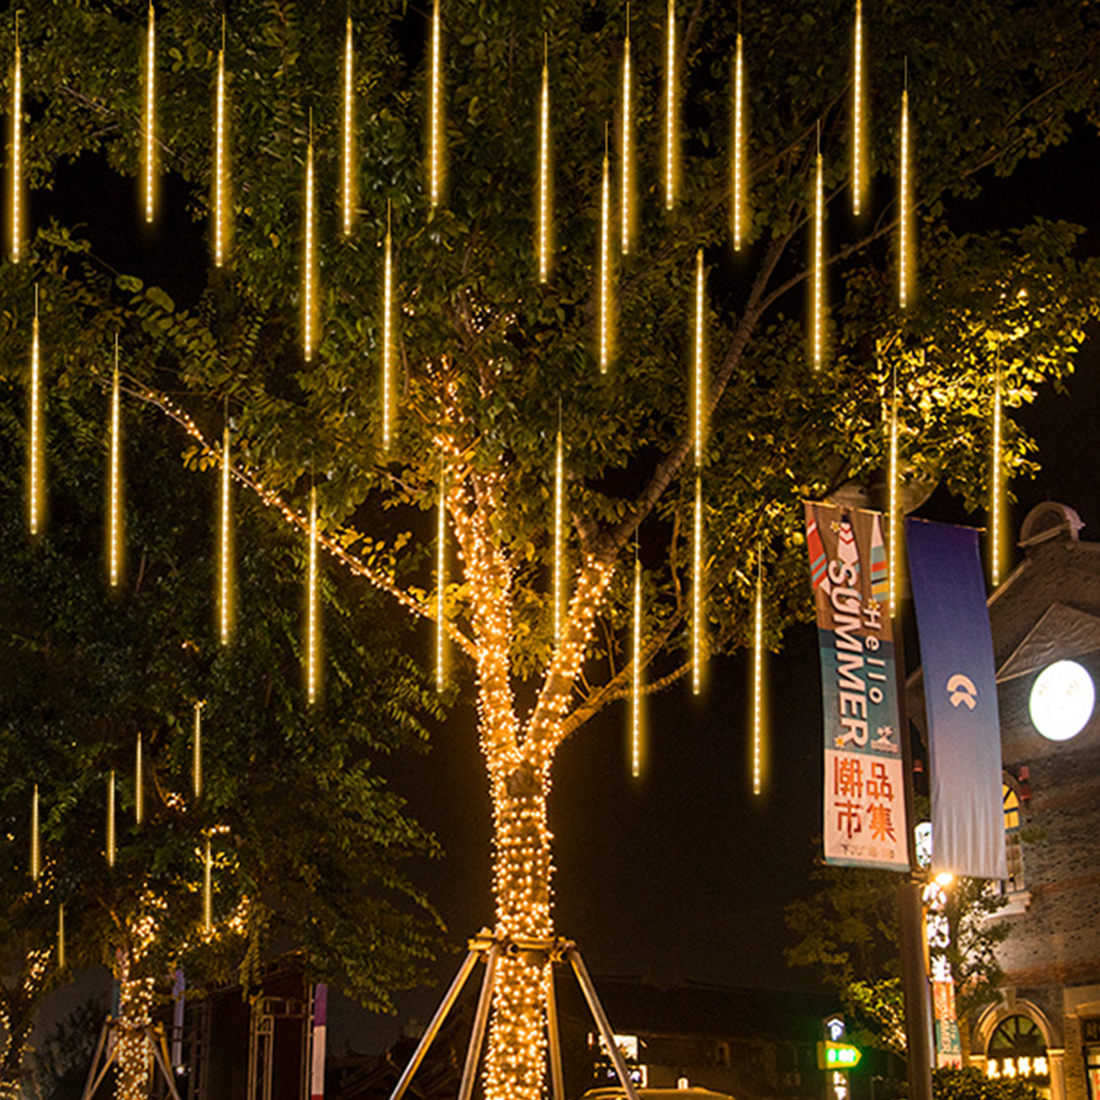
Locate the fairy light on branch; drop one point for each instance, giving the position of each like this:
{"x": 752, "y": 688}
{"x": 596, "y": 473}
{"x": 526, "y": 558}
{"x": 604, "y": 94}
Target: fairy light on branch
{"x": 114, "y": 529}
{"x": 225, "y": 547}
{"x": 111, "y": 819}
{"x": 139, "y": 784}
{"x": 35, "y": 463}
{"x": 309, "y": 271}
{"x": 387, "y": 334}
{"x": 738, "y": 183}
{"x": 544, "y": 166}
{"x": 16, "y": 196}
{"x": 312, "y": 625}
{"x": 818, "y": 337}
{"x": 220, "y": 171}
{"x": 605, "y": 260}
{"x": 758, "y": 677}
{"x": 36, "y": 838}
{"x": 348, "y": 197}
{"x": 441, "y": 582}
{"x": 857, "y": 112}
{"x": 436, "y": 135}
{"x": 670, "y": 109}
{"x": 627, "y": 166}
{"x": 150, "y": 116}
{"x": 559, "y": 533}
{"x": 196, "y": 753}
{"x": 996, "y": 503}
{"x": 636, "y": 675}
{"x": 905, "y": 260}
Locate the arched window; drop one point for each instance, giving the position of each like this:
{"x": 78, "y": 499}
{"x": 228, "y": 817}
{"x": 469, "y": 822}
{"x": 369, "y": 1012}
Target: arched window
{"x": 1017, "y": 1049}
{"x": 1011, "y": 800}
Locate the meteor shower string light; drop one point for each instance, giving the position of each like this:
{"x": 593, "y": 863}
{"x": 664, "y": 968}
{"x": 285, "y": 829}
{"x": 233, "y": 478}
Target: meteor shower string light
{"x": 387, "y": 334}
{"x": 34, "y": 476}
{"x": 225, "y": 556}
{"x": 111, "y": 819}
{"x": 17, "y": 151}
{"x": 436, "y": 136}
{"x": 559, "y": 533}
{"x": 114, "y": 531}
{"x": 441, "y": 581}
{"x": 36, "y": 839}
{"x": 61, "y": 937}
{"x": 196, "y": 753}
{"x": 857, "y": 111}
{"x": 628, "y": 138}
{"x": 139, "y": 786}
{"x": 697, "y": 590}
{"x": 996, "y": 503}
{"x": 544, "y": 166}
{"x": 605, "y": 260}
{"x": 219, "y": 159}
{"x": 758, "y": 677}
{"x": 308, "y": 266}
{"x": 738, "y": 188}
{"x": 312, "y": 645}
{"x": 207, "y": 887}
{"x": 349, "y": 125}
{"x": 904, "y": 244}
{"x": 699, "y": 364}
{"x": 819, "y": 260}
{"x": 894, "y": 494}
{"x": 150, "y": 120}
{"x": 636, "y": 676}
{"x": 670, "y": 110}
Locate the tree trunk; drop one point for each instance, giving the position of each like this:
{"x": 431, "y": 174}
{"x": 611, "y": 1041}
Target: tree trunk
{"x": 11, "y": 1064}
{"x": 135, "y": 1001}
{"x": 522, "y": 888}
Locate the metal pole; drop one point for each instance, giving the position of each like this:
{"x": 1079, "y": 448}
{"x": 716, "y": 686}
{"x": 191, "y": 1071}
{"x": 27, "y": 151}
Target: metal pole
{"x": 445, "y": 1006}
{"x": 554, "y": 1034}
{"x": 92, "y": 1082}
{"x": 594, "y": 1006}
{"x": 162, "y": 1061}
{"x": 481, "y": 1018}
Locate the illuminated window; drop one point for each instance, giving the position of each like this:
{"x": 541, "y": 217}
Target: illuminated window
{"x": 1013, "y": 850}
{"x": 1017, "y": 1049}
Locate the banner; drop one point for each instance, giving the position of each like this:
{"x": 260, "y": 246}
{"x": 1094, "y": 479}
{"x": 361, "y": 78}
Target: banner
{"x": 865, "y": 823}
{"x": 960, "y": 693}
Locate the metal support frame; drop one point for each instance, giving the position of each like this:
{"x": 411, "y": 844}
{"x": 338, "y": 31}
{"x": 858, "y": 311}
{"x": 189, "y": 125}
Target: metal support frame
{"x": 488, "y": 947}
{"x": 154, "y": 1038}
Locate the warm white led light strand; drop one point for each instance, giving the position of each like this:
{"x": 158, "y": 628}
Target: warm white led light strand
{"x": 857, "y": 111}
{"x": 196, "y": 753}
{"x": 559, "y": 535}
{"x": 627, "y": 166}
{"x": 436, "y": 135}
{"x": 114, "y": 534}
{"x": 738, "y": 183}
{"x": 347, "y": 193}
{"x": 670, "y": 110}
{"x": 996, "y": 504}
{"x": 441, "y": 584}
{"x": 697, "y": 589}
{"x": 139, "y": 785}
{"x": 636, "y": 677}
{"x": 36, "y": 839}
{"x": 220, "y": 172}
{"x": 150, "y": 115}
{"x": 61, "y": 937}
{"x": 207, "y": 887}
{"x": 111, "y": 819}
{"x": 819, "y": 265}
{"x": 904, "y": 243}
{"x": 894, "y": 491}
{"x": 308, "y": 266}
{"x": 34, "y": 476}
{"x": 312, "y": 640}
{"x": 16, "y": 197}
{"x": 387, "y": 335}
{"x": 605, "y": 262}
{"x": 699, "y": 361}
{"x": 544, "y": 168}
{"x": 225, "y": 555}
{"x": 758, "y": 678}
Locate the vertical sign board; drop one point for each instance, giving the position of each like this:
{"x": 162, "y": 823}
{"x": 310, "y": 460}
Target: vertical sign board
{"x": 865, "y": 822}
{"x": 320, "y": 1029}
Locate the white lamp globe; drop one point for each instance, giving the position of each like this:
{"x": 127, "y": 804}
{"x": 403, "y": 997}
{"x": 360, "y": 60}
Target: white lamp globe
{"x": 1062, "y": 700}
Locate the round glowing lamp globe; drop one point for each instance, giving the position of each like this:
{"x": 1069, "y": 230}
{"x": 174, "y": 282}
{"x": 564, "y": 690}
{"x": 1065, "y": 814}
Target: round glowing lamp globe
{"x": 1062, "y": 700}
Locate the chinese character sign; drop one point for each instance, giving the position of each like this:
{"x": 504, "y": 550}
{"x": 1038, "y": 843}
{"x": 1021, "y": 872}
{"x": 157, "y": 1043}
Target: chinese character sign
{"x": 864, "y": 794}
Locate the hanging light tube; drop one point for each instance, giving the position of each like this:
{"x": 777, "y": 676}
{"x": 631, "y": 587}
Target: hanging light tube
{"x": 738, "y": 188}
{"x": 36, "y": 839}
{"x": 699, "y": 360}
{"x": 441, "y": 582}
{"x": 225, "y": 557}
{"x": 697, "y": 590}
{"x": 670, "y": 110}
{"x": 17, "y": 151}
{"x": 628, "y": 140}
{"x": 312, "y": 642}
{"x": 348, "y": 199}
{"x": 758, "y": 678}
{"x": 61, "y": 936}
{"x": 857, "y": 112}
{"x": 636, "y": 678}
{"x": 436, "y": 135}
{"x": 544, "y": 168}
{"x": 196, "y": 753}
{"x": 35, "y": 464}
{"x": 220, "y": 159}
{"x": 115, "y": 491}
{"x": 387, "y": 336}
{"x": 605, "y": 262}
{"x": 894, "y": 490}
{"x": 139, "y": 786}
{"x": 819, "y": 265}
{"x": 207, "y": 887}
{"x": 150, "y": 119}
{"x": 308, "y": 267}
{"x": 904, "y": 244}
{"x": 996, "y": 505}
{"x": 559, "y": 535}
{"x": 111, "y": 819}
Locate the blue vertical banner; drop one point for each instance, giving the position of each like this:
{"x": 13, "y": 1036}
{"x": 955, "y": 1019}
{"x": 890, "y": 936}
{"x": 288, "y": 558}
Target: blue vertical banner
{"x": 960, "y": 693}
{"x": 865, "y": 822}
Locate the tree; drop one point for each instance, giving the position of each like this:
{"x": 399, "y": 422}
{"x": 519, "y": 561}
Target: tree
{"x": 487, "y": 360}
{"x": 309, "y": 847}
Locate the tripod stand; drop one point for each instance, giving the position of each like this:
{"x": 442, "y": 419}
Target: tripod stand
{"x": 153, "y": 1038}
{"x": 486, "y": 947}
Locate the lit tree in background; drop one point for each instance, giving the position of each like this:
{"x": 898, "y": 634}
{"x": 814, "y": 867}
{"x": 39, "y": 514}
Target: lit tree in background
{"x": 432, "y": 307}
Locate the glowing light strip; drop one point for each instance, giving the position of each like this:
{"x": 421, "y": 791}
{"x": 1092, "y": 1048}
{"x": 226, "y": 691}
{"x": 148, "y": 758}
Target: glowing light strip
{"x": 700, "y": 411}
{"x": 996, "y": 504}
{"x": 670, "y": 110}
{"x": 36, "y": 840}
{"x": 349, "y": 123}
{"x": 819, "y": 265}
{"x": 61, "y": 937}
{"x": 559, "y": 535}
{"x": 738, "y": 144}
{"x": 628, "y": 138}
{"x": 605, "y": 264}
{"x": 311, "y": 603}
{"x": 441, "y": 582}
{"x": 219, "y": 162}
{"x": 35, "y": 475}
{"x": 387, "y": 337}
{"x": 436, "y": 109}
{"x": 207, "y": 888}
{"x": 150, "y": 123}
{"x": 904, "y": 260}
{"x": 196, "y": 753}
{"x": 17, "y": 153}
{"x": 857, "y": 111}
{"x": 115, "y": 519}
{"x": 139, "y": 786}
{"x": 636, "y": 677}
{"x": 894, "y": 497}
{"x": 758, "y": 678}
{"x": 308, "y": 274}
{"x": 111, "y": 819}
{"x": 697, "y": 590}
{"x": 544, "y": 173}
{"x": 225, "y": 565}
